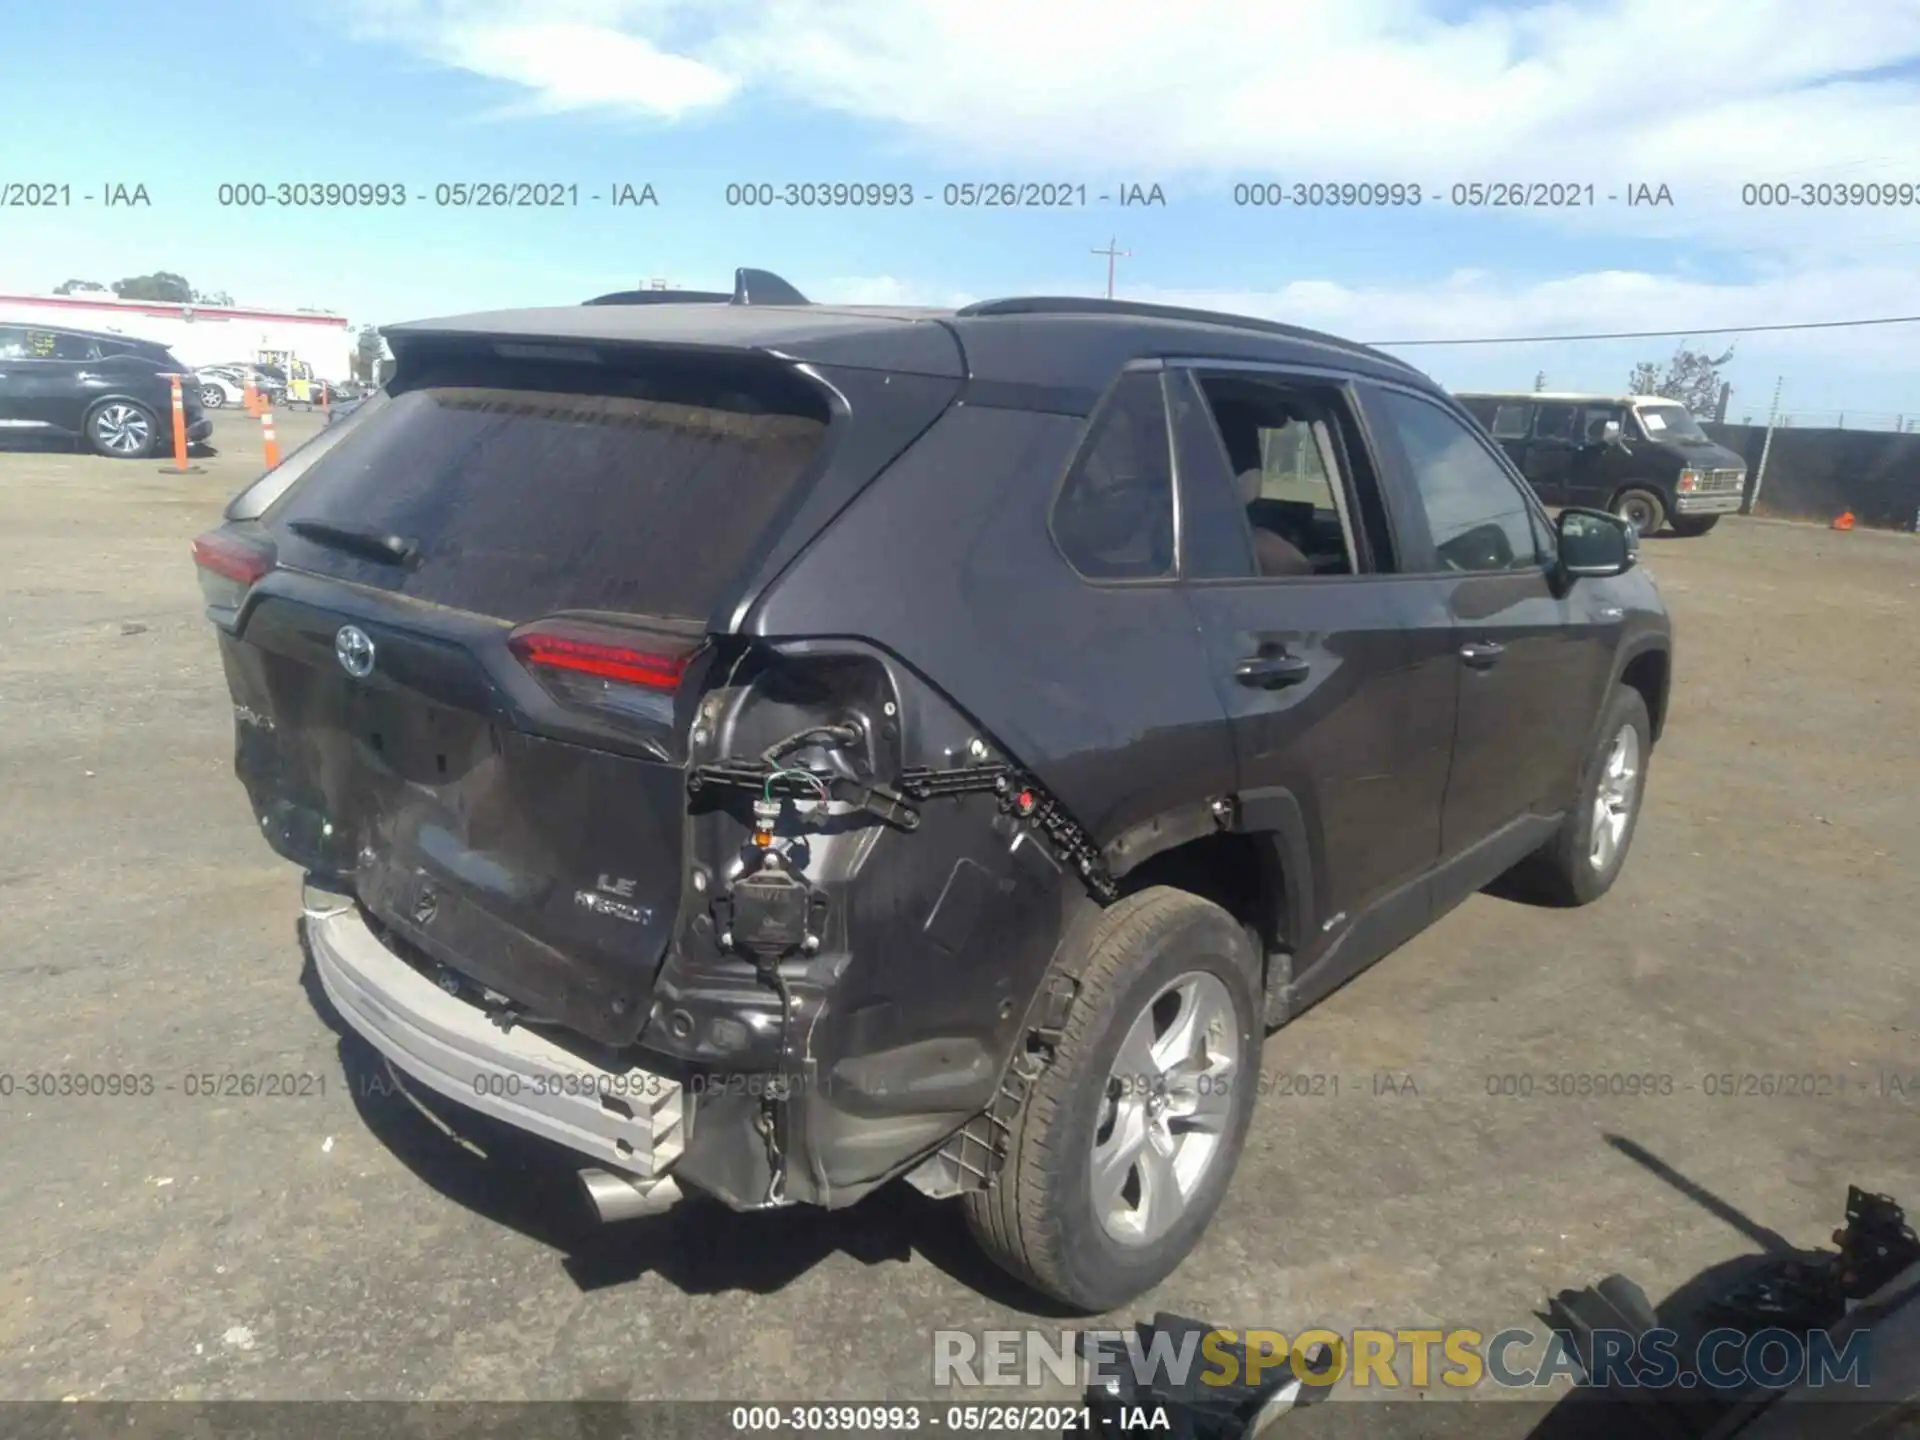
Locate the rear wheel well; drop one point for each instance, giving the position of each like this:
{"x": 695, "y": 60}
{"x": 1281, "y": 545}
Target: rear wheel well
{"x": 1238, "y": 872}
{"x": 1647, "y": 672}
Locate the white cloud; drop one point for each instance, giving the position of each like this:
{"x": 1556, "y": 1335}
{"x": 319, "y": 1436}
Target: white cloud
{"x": 1827, "y": 367}
{"x": 1702, "y": 96}
{"x": 560, "y": 54}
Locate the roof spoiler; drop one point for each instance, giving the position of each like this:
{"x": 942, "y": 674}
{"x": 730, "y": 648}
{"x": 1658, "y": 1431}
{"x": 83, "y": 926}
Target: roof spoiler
{"x": 750, "y": 287}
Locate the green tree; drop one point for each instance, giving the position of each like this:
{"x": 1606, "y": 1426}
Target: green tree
{"x": 160, "y": 285}
{"x": 71, "y": 287}
{"x": 1692, "y": 377}
{"x": 367, "y": 350}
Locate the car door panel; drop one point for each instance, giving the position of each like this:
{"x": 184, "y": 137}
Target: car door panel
{"x": 1520, "y": 713}
{"x": 1546, "y": 466}
{"x": 42, "y": 391}
{"x": 1339, "y": 691}
{"x": 1550, "y": 451}
{"x": 28, "y": 388}
{"x": 1526, "y": 644}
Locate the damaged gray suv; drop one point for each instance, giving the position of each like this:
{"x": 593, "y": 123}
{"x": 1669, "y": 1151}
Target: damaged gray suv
{"x": 773, "y": 749}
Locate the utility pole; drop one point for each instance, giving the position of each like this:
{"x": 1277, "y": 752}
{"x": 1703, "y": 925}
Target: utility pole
{"x": 1766, "y": 448}
{"x": 1539, "y": 381}
{"x": 1112, "y": 254}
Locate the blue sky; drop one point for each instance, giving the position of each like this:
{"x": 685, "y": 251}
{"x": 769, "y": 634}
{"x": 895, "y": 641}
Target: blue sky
{"x": 1197, "y": 98}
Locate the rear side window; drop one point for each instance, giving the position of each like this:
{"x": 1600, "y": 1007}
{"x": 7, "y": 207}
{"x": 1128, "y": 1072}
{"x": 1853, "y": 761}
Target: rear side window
{"x": 1556, "y": 422}
{"x": 23, "y": 344}
{"x": 543, "y": 495}
{"x": 1113, "y": 518}
{"x": 1510, "y": 422}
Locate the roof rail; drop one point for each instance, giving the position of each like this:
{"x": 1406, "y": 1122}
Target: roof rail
{"x": 750, "y": 287}
{"x": 1086, "y": 305}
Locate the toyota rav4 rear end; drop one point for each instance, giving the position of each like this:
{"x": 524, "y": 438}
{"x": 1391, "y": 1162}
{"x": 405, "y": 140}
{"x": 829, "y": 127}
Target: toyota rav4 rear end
{"x": 581, "y": 852}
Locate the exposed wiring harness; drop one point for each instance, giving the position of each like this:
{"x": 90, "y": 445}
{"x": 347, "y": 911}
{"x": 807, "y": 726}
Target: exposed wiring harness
{"x": 798, "y": 772}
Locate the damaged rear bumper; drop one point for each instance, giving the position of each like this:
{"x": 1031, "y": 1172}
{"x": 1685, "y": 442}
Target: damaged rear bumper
{"x": 629, "y": 1120}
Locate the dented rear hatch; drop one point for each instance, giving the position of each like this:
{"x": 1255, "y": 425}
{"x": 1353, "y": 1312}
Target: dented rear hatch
{"x": 464, "y": 649}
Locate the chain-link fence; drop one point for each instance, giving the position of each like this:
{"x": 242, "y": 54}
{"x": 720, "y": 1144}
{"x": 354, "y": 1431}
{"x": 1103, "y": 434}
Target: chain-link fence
{"x": 1819, "y": 472}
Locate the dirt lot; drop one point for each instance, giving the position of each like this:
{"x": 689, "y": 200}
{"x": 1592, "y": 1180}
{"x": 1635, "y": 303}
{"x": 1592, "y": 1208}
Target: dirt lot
{"x": 333, "y": 1244}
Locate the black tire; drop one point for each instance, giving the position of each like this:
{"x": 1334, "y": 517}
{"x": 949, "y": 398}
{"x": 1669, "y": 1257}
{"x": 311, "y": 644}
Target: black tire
{"x": 1565, "y": 872}
{"x": 1039, "y": 1221}
{"x": 1642, "y": 509}
{"x": 1690, "y": 526}
{"x": 122, "y": 430}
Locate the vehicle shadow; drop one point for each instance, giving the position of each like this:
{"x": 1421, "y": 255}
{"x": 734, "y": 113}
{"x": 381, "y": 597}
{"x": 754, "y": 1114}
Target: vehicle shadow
{"x": 699, "y": 1246}
{"x": 43, "y": 445}
{"x": 61, "y": 445}
{"x": 1586, "y": 1413}
{"x": 1688, "y": 1312}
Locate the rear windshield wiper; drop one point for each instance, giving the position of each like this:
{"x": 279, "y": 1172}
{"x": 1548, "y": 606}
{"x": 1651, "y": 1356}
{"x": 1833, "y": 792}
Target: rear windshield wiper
{"x": 368, "y": 544}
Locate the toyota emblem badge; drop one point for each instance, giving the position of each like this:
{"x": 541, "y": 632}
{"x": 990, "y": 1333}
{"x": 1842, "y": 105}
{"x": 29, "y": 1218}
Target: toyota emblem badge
{"x": 353, "y": 648}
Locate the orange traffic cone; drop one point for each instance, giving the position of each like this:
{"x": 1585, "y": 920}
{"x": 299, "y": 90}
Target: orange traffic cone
{"x": 268, "y": 443}
{"x": 1844, "y": 520}
{"x": 253, "y": 399}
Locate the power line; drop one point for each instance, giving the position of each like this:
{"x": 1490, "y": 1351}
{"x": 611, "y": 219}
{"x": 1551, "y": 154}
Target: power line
{"x": 1659, "y": 334}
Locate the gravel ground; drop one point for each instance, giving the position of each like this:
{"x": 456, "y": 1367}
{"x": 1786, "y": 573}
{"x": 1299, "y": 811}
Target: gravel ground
{"x": 334, "y": 1245}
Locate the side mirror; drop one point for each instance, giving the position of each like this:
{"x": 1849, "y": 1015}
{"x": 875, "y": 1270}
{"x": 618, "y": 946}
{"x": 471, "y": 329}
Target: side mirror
{"x": 1596, "y": 544}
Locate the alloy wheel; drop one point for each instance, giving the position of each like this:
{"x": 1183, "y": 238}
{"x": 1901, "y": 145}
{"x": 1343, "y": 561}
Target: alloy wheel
{"x": 1167, "y": 1104}
{"x": 1613, "y": 798}
{"x": 122, "y": 430}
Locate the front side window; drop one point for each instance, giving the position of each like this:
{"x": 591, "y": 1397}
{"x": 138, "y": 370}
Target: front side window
{"x": 1594, "y": 420}
{"x": 1477, "y": 515}
{"x": 1113, "y": 519}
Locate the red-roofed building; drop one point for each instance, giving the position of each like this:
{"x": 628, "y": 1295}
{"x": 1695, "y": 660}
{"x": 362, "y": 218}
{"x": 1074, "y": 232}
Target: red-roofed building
{"x": 199, "y": 334}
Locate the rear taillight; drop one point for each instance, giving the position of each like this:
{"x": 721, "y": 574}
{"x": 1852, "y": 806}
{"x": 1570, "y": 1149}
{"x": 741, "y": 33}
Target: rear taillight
{"x": 229, "y": 565}
{"x": 633, "y": 673}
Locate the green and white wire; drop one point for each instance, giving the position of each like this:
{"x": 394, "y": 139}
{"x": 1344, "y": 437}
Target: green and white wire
{"x": 807, "y": 775}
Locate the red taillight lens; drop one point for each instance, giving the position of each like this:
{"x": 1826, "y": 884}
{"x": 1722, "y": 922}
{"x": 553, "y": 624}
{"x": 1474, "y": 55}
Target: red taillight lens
{"x": 231, "y": 557}
{"x": 632, "y": 673}
{"x": 228, "y": 566}
{"x": 549, "y": 650}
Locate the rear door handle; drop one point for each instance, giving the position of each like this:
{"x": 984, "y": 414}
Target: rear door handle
{"x": 1482, "y": 654}
{"x": 1272, "y": 672}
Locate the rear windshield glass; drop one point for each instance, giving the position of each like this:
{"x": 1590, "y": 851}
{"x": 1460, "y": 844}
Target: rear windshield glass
{"x": 521, "y": 500}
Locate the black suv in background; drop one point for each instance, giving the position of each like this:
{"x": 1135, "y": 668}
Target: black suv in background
{"x": 112, "y": 391}
{"x": 770, "y": 749}
{"x": 1644, "y": 458}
